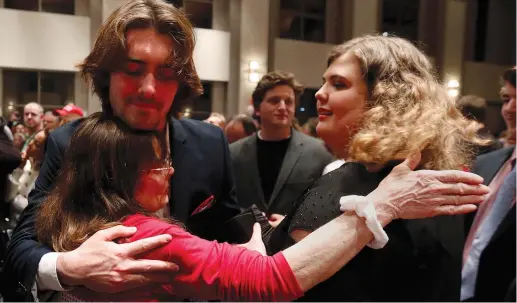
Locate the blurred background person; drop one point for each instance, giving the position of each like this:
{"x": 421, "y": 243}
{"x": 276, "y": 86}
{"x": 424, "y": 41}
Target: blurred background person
{"x": 23, "y": 181}
{"x": 32, "y": 116}
{"x": 51, "y": 120}
{"x": 239, "y": 127}
{"x": 508, "y": 109}
{"x": 19, "y": 128}
{"x": 474, "y": 108}
{"x": 488, "y": 273}
{"x": 296, "y": 125}
{"x": 274, "y": 166}
{"x": 14, "y": 117}
{"x": 309, "y": 128}
{"x": 9, "y": 159}
{"x": 216, "y": 119}
{"x": 19, "y": 140}
{"x": 70, "y": 113}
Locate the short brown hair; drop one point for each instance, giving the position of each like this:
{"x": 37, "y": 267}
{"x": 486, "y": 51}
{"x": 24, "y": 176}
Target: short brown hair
{"x": 110, "y": 46}
{"x": 271, "y": 80}
{"x": 509, "y": 75}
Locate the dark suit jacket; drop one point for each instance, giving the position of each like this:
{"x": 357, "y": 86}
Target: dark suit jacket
{"x": 201, "y": 160}
{"x": 496, "y": 273}
{"x": 304, "y": 161}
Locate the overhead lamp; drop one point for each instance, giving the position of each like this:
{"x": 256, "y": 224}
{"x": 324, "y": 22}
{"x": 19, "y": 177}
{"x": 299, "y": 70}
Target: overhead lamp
{"x": 253, "y": 72}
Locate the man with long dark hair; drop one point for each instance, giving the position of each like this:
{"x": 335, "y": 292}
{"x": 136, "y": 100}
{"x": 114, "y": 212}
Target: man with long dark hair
{"x": 141, "y": 63}
{"x": 142, "y": 67}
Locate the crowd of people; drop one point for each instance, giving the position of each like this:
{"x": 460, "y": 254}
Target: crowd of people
{"x": 28, "y": 136}
{"x": 395, "y": 192}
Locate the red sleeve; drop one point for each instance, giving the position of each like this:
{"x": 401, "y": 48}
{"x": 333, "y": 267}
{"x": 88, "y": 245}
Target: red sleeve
{"x": 219, "y": 271}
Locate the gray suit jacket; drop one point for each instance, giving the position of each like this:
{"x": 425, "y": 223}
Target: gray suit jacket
{"x": 305, "y": 159}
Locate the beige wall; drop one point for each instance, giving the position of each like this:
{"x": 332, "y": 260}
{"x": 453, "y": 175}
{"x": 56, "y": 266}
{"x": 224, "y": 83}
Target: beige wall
{"x": 482, "y": 79}
{"x": 42, "y": 41}
{"x": 221, "y": 15}
{"x": 212, "y": 54}
{"x": 246, "y": 30}
{"x": 1, "y": 91}
{"x": 253, "y": 44}
{"x": 219, "y": 96}
{"x": 365, "y": 17}
{"x": 454, "y": 40}
{"x": 308, "y": 65}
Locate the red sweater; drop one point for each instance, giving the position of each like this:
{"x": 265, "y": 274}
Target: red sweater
{"x": 209, "y": 270}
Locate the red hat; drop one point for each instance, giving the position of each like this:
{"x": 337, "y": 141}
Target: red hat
{"x": 70, "y": 109}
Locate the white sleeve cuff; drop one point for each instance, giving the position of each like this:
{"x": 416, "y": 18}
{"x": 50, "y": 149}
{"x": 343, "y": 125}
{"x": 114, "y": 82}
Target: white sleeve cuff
{"x": 46, "y": 278}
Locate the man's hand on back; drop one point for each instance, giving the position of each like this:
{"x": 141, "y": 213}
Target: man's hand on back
{"x": 105, "y": 266}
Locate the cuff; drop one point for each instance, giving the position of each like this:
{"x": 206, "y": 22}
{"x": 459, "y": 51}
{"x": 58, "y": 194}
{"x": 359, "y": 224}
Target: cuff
{"x": 46, "y": 278}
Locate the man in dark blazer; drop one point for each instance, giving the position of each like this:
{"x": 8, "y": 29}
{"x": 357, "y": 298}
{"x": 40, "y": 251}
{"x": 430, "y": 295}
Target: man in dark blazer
{"x": 496, "y": 264}
{"x": 140, "y": 90}
{"x": 488, "y": 273}
{"x": 303, "y": 163}
{"x": 274, "y": 166}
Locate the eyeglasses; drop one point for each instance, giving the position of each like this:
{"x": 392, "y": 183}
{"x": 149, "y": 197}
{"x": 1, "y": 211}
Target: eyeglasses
{"x": 167, "y": 166}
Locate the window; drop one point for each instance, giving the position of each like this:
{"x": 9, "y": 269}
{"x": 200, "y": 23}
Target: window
{"x": 493, "y": 31}
{"x": 198, "y": 108}
{"x": 50, "y": 89}
{"x": 49, "y": 6}
{"x": 199, "y": 12}
{"x": 302, "y": 20}
{"x": 400, "y": 18}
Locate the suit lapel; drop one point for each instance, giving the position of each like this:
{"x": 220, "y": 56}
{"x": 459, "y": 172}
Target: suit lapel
{"x": 250, "y": 148}
{"x": 180, "y": 181}
{"x": 505, "y": 224}
{"x": 491, "y": 164}
{"x": 294, "y": 151}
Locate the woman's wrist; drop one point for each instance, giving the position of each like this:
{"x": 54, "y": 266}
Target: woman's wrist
{"x": 384, "y": 210}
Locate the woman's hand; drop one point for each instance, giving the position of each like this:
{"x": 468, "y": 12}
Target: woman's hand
{"x": 408, "y": 194}
{"x": 256, "y": 242}
{"x": 275, "y": 219}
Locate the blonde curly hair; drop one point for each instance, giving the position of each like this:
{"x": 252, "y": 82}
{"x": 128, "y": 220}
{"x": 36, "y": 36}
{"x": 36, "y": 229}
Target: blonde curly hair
{"x": 407, "y": 109}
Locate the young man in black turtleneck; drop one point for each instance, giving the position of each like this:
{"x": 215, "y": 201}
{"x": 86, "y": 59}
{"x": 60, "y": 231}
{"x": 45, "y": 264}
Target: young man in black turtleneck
{"x": 273, "y": 167}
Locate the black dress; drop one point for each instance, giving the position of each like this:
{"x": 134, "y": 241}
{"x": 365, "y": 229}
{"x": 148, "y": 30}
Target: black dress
{"x": 421, "y": 262}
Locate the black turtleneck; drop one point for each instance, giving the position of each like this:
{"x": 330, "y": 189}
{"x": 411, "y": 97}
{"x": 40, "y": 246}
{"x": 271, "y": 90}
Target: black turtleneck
{"x": 270, "y": 155}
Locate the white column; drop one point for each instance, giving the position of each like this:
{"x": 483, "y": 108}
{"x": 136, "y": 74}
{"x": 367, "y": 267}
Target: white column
{"x": 331, "y": 25}
{"x": 81, "y": 93}
{"x": 254, "y": 46}
{"x": 365, "y": 17}
{"x": 232, "y": 104}
{"x": 221, "y": 15}
{"x": 108, "y": 6}
{"x": 2, "y": 91}
{"x": 98, "y": 10}
{"x": 81, "y": 7}
{"x": 455, "y": 17}
{"x": 218, "y": 98}
{"x": 274, "y": 32}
